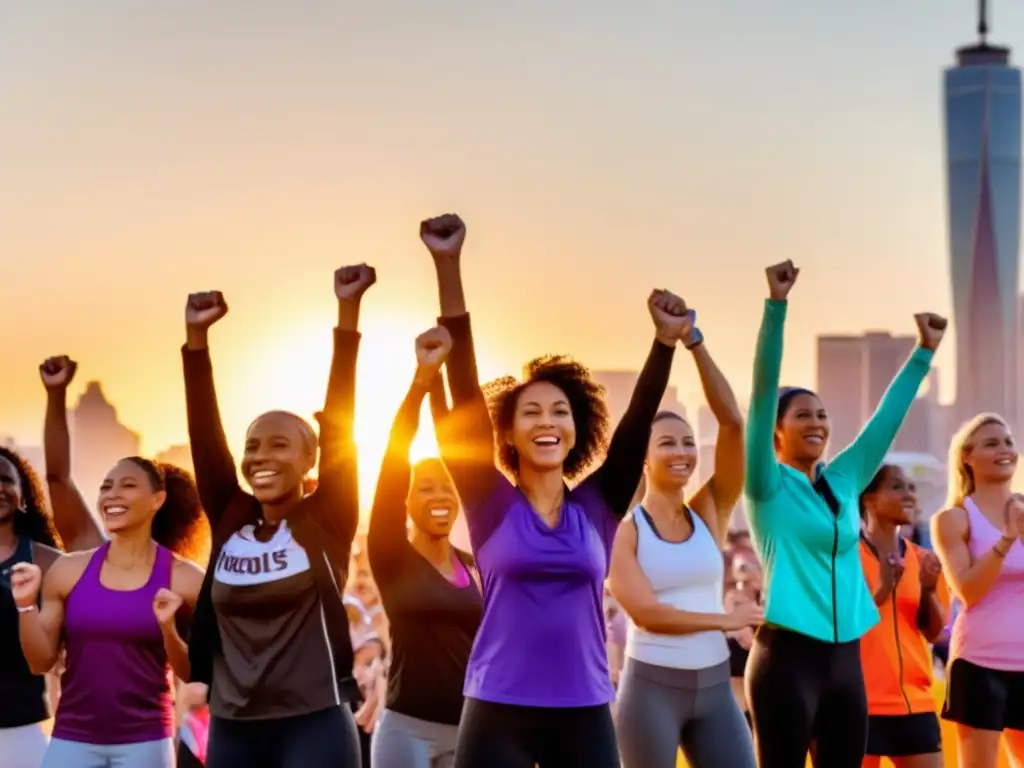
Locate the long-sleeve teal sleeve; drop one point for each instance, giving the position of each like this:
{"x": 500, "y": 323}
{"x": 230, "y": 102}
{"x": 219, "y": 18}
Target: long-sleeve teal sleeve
{"x": 858, "y": 462}
{"x": 762, "y": 470}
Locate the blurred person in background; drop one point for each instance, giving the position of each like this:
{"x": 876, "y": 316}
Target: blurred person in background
{"x": 739, "y": 641}
{"x": 369, "y": 668}
{"x": 904, "y": 580}
{"x": 667, "y": 572}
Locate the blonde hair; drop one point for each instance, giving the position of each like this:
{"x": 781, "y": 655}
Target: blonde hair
{"x": 961, "y": 478}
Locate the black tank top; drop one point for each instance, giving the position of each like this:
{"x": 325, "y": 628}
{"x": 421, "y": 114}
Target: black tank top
{"x": 23, "y": 698}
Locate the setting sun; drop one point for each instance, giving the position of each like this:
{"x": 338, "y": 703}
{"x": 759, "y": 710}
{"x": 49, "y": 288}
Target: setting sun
{"x": 386, "y": 365}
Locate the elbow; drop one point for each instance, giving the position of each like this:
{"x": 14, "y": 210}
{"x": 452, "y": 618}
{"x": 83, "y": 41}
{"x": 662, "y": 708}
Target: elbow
{"x": 731, "y": 420}
{"x": 40, "y": 664}
{"x": 649, "y": 619}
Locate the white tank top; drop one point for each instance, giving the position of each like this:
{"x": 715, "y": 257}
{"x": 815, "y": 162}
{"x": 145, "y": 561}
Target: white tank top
{"x": 690, "y": 576}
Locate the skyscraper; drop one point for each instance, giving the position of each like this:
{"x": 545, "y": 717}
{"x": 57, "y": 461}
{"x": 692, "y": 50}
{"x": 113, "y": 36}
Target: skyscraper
{"x": 983, "y": 166}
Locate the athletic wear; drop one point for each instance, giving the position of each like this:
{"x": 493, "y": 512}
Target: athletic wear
{"x": 660, "y": 710}
{"x": 23, "y": 699}
{"x": 315, "y": 545}
{"x": 542, "y": 639}
{"x": 266, "y": 599}
{"x": 688, "y": 576}
{"x": 75, "y": 754}
{"x": 895, "y": 656}
{"x": 400, "y": 741}
{"x": 904, "y": 735}
{"x": 813, "y": 577}
{"x": 432, "y": 620}
{"x": 989, "y": 699}
{"x": 23, "y": 746}
{"x": 495, "y": 735}
{"x": 324, "y": 739}
{"x": 117, "y": 687}
{"x": 802, "y": 690}
{"x": 738, "y": 656}
{"x": 989, "y": 632}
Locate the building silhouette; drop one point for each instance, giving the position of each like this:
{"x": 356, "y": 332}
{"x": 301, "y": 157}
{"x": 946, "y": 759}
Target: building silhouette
{"x": 179, "y": 455}
{"x": 982, "y": 96}
{"x": 98, "y": 440}
{"x": 618, "y": 389}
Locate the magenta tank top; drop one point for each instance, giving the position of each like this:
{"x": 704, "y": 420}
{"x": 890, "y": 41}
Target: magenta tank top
{"x": 989, "y": 633}
{"x": 117, "y": 687}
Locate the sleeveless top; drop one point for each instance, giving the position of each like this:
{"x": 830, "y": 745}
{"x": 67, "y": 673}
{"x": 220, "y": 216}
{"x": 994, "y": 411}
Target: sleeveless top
{"x": 690, "y": 576}
{"x": 117, "y": 686}
{"x": 989, "y": 632}
{"x": 23, "y": 699}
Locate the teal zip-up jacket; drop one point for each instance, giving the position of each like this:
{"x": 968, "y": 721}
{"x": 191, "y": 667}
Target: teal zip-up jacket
{"x": 814, "y": 581}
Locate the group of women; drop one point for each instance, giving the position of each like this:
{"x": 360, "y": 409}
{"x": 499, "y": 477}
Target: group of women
{"x": 498, "y": 657}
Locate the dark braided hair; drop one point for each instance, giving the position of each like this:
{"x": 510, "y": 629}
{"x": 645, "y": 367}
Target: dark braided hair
{"x": 180, "y": 525}
{"x": 35, "y": 518}
{"x": 874, "y": 485}
{"x": 586, "y": 402}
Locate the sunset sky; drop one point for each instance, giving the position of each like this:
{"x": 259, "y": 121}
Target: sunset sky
{"x": 595, "y": 149}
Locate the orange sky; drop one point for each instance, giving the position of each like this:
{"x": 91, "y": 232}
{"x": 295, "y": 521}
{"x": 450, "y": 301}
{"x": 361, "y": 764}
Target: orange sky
{"x": 596, "y": 151}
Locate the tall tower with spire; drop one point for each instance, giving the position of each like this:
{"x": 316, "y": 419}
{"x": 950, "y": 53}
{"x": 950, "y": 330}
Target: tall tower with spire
{"x": 982, "y": 96}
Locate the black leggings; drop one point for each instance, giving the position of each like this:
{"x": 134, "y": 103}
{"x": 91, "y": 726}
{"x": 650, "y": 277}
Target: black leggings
{"x": 803, "y": 690}
{"x": 506, "y": 736}
{"x": 324, "y": 739}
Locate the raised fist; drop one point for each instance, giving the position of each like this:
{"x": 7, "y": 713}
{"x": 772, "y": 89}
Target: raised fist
{"x": 205, "y": 308}
{"x": 443, "y": 235}
{"x": 930, "y": 329}
{"x": 57, "y": 372}
{"x": 350, "y": 283}
{"x": 432, "y": 347}
{"x": 931, "y": 569}
{"x": 781, "y": 278}
{"x": 165, "y": 605}
{"x": 746, "y": 614}
{"x": 671, "y": 318}
{"x": 26, "y": 581}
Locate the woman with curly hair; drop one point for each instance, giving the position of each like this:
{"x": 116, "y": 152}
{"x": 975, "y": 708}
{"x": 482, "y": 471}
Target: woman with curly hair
{"x": 537, "y": 687}
{"x": 271, "y": 634}
{"x": 112, "y": 609}
{"x": 27, "y": 535}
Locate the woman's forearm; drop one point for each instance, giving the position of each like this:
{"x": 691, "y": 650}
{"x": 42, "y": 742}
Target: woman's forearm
{"x": 451, "y": 295}
{"x": 717, "y": 390}
{"x": 974, "y": 582}
{"x": 177, "y": 652}
{"x": 931, "y": 618}
{"x": 666, "y": 620}
{"x": 37, "y": 646}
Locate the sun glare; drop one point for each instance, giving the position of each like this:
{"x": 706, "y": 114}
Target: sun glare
{"x": 387, "y": 362}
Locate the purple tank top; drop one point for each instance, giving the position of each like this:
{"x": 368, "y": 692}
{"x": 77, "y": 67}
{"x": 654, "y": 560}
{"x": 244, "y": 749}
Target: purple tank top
{"x": 117, "y": 687}
{"x": 988, "y": 633}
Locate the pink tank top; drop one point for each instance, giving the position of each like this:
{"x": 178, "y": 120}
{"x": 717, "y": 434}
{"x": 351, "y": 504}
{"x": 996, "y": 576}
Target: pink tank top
{"x": 989, "y": 633}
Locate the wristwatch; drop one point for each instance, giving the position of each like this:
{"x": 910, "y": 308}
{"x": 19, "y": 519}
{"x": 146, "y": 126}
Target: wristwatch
{"x": 695, "y": 340}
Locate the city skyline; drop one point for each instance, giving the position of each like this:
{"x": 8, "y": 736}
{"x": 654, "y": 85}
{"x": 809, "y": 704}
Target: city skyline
{"x": 982, "y": 95}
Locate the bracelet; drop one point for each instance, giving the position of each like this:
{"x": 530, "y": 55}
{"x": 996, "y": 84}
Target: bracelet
{"x": 998, "y": 551}
{"x": 26, "y": 608}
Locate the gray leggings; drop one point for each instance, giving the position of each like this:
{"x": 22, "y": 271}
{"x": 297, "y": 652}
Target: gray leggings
{"x": 400, "y": 741}
{"x": 661, "y": 709}
{"x": 75, "y": 754}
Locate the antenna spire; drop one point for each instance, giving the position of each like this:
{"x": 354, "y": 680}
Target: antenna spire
{"x": 983, "y": 20}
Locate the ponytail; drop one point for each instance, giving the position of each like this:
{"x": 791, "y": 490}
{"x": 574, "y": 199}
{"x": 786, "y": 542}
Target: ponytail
{"x": 180, "y": 524}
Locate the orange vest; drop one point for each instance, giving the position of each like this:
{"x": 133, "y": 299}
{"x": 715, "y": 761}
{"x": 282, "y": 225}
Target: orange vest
{"x": 897, "y": 660}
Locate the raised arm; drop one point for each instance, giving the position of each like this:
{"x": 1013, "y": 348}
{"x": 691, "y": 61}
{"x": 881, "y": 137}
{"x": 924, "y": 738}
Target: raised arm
{"x": 216, "y": 477}
{"x": 859, "y": 461}
{"x": 762, "y": 470}
{"x": 631, "y": 587}
{"x": 619, "y": 475}
{"x": 466, "y": 438}
{"x": 388, "y": 540}
{"x": 715, "y": 501}
{"x": 970, "y": 579}
{"x": 77, "y": 526}
{"x": 337, "y": 491}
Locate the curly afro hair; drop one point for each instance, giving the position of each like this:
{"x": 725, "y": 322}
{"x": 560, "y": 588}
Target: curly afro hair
{"x": 586, "y": 401}
{"x": 35, "y": 520}
{"x": 180, "y": 524}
